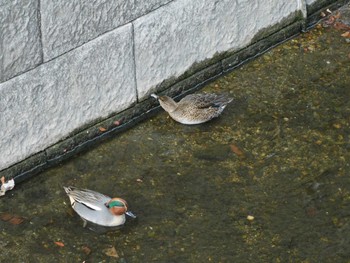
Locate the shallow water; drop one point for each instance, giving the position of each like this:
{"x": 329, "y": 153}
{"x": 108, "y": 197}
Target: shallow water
{"x": 279, "y": 154}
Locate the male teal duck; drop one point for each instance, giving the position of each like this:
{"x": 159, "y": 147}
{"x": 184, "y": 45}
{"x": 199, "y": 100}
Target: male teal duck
{"x": 98, "y": 208}
{"x": 194, "y": 108}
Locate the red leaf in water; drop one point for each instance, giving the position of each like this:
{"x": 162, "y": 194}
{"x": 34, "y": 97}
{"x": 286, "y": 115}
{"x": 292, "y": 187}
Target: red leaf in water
{"x": 59, "y": 243}
{"x": 236, "y": 150}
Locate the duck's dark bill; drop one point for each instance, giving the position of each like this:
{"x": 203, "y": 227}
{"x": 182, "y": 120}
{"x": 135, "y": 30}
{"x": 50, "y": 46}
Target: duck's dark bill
{"x": 129, "y": 213}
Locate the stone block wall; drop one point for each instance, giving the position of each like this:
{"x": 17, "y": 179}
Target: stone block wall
{"x": 67, "y": 65}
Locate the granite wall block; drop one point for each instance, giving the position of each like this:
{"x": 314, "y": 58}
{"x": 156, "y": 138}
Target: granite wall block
{"x": 44, "y": 105}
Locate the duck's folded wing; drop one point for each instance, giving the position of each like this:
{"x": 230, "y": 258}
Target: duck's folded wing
{"x": 203, "y": 100}
{"x": 89, "y": 198}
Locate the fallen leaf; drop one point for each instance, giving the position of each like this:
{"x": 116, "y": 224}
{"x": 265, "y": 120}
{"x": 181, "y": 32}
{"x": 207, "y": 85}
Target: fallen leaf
{"x": 102, "y": 129}
{"x": 337, "y": 14}
{"x": 236, "y": 150}
{"x": 59, "y": 243}
{"x": 346, "y": 34}
{"x": 341, "y": 26}
{"x": 86, "y": 250}
{"x": 111, "y": 252}
{"x": 5, "y": 216}
{"x": 12, "y": 219}
{"x": 118, "y": 122}
{"x": 330, "y": 20}
{"x": 2, "y": 179}
{"x": 16, "y": 220}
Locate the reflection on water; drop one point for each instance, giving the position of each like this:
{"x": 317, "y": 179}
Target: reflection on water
{"x": 278, "y": 154}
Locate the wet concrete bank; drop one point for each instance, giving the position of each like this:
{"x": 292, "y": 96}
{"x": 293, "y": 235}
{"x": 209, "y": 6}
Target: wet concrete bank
{"x": 266, "y": 182}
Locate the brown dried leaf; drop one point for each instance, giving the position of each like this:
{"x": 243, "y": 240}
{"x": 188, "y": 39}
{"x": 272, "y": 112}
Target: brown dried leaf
{"x": 5, "y": 216}
{"x": 337, "y": 15}
{"x": 3, "y": 180}
{"x": 236, "y": 150}
{"x": 12, "y": 219}
{"x": 102, "y": 129}
{"x": 346, "y": 34}
{"x": 59, "y": 243}
{"x": 111, "y": 252}
{"x": 330, "y": 20}
{"x": 16, "y": 220}
{"x": 341, "y": 26}
{"x": 86, "y": 250}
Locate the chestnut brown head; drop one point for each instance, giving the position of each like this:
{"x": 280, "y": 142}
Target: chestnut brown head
{"x": 117, "y": 206}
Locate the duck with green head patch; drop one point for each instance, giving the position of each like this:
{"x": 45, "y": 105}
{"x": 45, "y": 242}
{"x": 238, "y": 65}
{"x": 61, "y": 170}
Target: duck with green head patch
{"x": 194, "y": 108}
{"x": 98, "y": 208}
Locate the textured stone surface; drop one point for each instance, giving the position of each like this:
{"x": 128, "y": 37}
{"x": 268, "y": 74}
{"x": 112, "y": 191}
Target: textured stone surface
{"x": 174, "y": 37}
{"x": 67, "y": 24}
{"x": 44, "y": 105}
{"x": 20, "y": 46}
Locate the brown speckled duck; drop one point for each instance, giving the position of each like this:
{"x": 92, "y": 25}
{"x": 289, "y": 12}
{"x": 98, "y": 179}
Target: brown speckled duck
{"x": 194, "y": 108}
